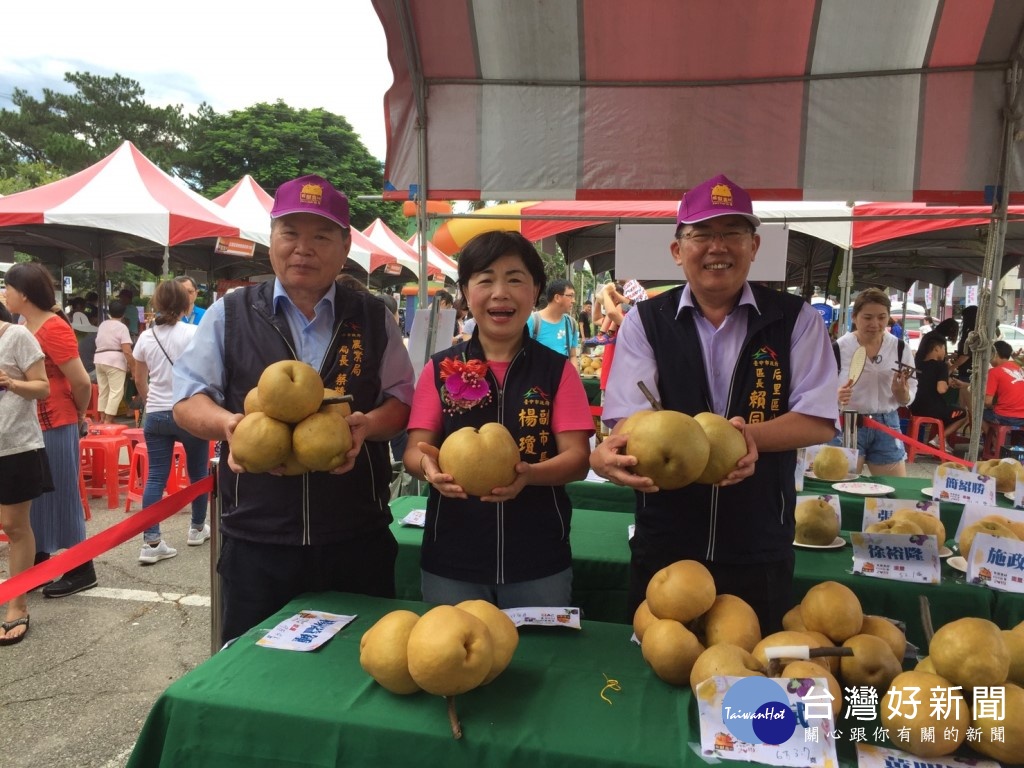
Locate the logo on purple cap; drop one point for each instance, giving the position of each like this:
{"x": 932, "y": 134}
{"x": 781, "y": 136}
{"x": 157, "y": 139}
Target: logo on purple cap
{"x": 721, "y": 194}
{"x": 311, "y": 194}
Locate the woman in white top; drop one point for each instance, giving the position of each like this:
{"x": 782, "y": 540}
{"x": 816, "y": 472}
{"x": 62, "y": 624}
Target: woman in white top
{"x": 113, "y": 359}
{"x": 24, "y": 470}
{"x": 155, "y": 352}
{"x": 882, "y": 388}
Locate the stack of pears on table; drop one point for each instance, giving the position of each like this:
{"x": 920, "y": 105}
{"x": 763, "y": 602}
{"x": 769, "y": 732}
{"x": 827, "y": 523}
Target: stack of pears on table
{"x": 288, "y": 425}
{"x": 449, "y": 650}
{"x": 674, "y": 449}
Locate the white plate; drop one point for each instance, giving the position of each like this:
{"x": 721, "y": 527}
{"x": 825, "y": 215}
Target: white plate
{"x": 957, "y": 563}
{"x": 864, "y": 489}
{"x": 945, "y": 551}
{"x": 837, "y": 543}
{"x": 809, "y": 474}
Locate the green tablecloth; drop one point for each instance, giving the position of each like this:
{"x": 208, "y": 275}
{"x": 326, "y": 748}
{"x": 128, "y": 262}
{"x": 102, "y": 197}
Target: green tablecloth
{"x": 587, "y": 494}
{"x": 600, "y": 552}
{"x": 906, "y": 488}
{"x": 592, "y": 386}
{"x": 250, "y": 706}
{"x": 601, "y": 573}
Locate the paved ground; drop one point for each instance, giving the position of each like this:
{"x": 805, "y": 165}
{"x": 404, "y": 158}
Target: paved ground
{"x": 76, "y": 692}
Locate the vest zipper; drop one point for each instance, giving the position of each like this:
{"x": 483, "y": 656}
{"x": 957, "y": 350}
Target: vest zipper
{"x": 500, "y": 522}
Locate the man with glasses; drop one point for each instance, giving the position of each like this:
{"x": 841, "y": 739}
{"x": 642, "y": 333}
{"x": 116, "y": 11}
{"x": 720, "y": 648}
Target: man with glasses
{"x": 554, "y": 325}
{"x": 194, "y": 314}
{"x": 756, "y": 356}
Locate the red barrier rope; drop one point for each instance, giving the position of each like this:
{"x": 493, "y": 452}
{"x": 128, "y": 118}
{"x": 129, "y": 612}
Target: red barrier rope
{"x": 103, "y": 541}
{"x": 921, "y": 447}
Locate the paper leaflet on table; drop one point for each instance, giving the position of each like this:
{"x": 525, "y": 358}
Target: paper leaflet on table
{"x": 873, "y": 756}
{"x": 545, "y": 617}
{"x": 996, "y": 562}
{"x": 730, "y": 707}
{"x": 877, "y": 509}
{"x": 305, "y": 631}
{"x": 963, "y": 486}
{"x": 593, "y": 477}
{"x": 897, "y": 556}
{"x": 417, "y": 518}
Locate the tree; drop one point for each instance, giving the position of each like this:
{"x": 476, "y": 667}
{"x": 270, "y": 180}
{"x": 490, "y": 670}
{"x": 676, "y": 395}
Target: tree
{"x": 68, "y": 132}
{"x": 274, "y": 143}
{"x": 26, "y": 176}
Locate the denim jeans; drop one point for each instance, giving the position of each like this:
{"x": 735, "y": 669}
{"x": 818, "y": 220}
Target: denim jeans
{"x": 161, "y": 433}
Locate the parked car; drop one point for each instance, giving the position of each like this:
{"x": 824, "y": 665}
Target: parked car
{"x": 911, "y": 329}
{"x": 1012, "y": 335}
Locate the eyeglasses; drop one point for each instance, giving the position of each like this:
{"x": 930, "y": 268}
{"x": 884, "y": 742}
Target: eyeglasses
{"x": 703, "y": 237}
{"x": 570, "y": 296}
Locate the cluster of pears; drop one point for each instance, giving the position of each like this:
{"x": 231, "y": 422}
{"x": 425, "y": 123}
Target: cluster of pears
{"x": 287, "y": 424}
{"x": 994, "y": 525}
{"x": 1005, "y": 471}
{"x": 674, "y": 449}
{"x": 911, "y": 521}
{"x": 969, "y": 652}
{"x": 590, "y": 365}
{"x": 451, "y": 649}
{"x": 688, "y": 633}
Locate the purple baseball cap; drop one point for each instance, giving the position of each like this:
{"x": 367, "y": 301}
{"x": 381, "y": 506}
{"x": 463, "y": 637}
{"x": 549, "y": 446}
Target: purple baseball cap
{"x": 715, "y": 197}
{"x": 311, "y": 194}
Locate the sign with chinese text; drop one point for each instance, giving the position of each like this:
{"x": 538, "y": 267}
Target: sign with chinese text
{"x": 873, "y": 756}
{"x": 996, "y": 562}
{"x": 877, "y": 509}
{"x": 963, "y": 487}
{"x": 305, "y": 631}
{"x": 775, "y": 721}
{"x": 897, "y": 556}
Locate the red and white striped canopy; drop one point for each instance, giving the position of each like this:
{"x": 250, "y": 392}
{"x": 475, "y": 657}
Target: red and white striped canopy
{"x": 793, "y": 99}
{"x": 385, "y": 241}
{"x": 249, "y": 206}
{"x": 124, "y": 192}
{"x": 436, "y": 258}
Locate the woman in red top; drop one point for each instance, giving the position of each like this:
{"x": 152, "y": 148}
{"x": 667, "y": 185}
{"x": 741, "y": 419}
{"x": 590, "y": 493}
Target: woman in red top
{"x": 58, "y": 521}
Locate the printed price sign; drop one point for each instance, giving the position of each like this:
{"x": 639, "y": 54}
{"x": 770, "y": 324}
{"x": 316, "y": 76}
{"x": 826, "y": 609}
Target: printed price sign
{"x": 897, "y": 556}
{"x": 963, "y": 487}
{"x": 305, "y": 631}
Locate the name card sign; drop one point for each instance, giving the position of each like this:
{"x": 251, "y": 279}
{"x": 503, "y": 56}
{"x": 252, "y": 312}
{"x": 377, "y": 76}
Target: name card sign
{"x": 1018, "y": 494}
{"x": 874, "y": 756}
{"x": 997, "y": 563}
{"x": 877, "y": 510}
{"x": 538, "y": 616}
{"x": 974, "y": 513}
{"x": 773, "y": 721}
{"x": 897, "y": 556}
{"x": 963, "y": 487}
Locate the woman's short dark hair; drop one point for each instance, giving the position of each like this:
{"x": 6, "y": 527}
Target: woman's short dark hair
{"x": 949, "y": 328}
{"x": 5, "y": 313}
{"x": 35, "y": 281}
{"x": 485, "y": 249}
{"x": 116, "y": 309}
{"x": 170, "y": 302}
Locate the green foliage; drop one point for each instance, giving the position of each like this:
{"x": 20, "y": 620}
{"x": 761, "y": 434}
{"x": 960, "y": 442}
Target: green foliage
{"x": 274, "y": 143}
{"x": 26, "y": 176}
{"x": 70, "y": 131}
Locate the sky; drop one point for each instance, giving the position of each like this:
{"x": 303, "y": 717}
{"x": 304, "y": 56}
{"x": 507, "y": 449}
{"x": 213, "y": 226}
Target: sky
{"x": 229, "y": 54}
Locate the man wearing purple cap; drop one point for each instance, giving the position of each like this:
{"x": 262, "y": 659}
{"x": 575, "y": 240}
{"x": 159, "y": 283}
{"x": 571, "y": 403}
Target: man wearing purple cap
{"x": 285, "y": 535}
{"x": 756, "y": 356}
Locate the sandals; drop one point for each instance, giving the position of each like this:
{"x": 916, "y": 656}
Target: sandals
{"x": 9, "y": 625}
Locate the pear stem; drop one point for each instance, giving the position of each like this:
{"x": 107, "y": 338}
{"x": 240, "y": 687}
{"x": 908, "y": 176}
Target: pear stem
{"x": 926, "y": 619}
{"x": 655, "y": 403}
{"x": 453, "y": 718}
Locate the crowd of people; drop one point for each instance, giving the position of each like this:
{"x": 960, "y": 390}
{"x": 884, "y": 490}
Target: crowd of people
{"x": 759, "y": 357}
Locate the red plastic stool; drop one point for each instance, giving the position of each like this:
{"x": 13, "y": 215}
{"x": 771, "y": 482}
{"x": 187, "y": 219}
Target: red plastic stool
{"x": 83, "y": 493}
{"x": 107, "y": 429}
{"x": 105, "y": 452}
{"x": 997, "y": 436}
{"x": 139, "y": 473}
{"x": 917, "y": 423}
{"x": 92, "y": 411}
{"x": 136, "y": 435}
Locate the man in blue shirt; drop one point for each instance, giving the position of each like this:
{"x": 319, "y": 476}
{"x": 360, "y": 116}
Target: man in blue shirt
{"x": 285, "y": 535}
{"x": 554, "y": 325}
{"x": 194, "y": 314}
